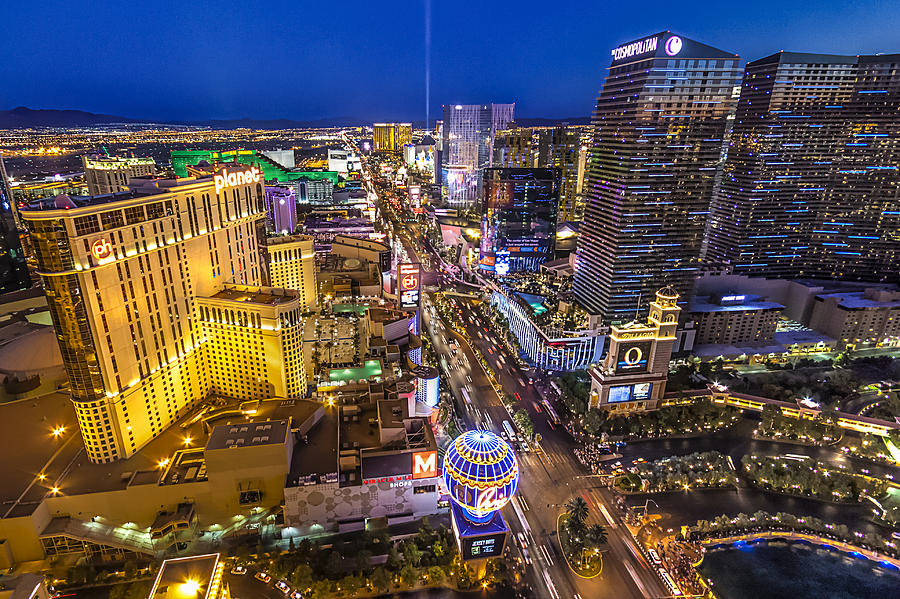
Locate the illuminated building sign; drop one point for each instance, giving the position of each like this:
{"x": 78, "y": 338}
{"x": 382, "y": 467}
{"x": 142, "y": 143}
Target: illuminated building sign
{"x": 636, "y": 392}
{"x": 101, "y": 248}
{"x": 638, "y": 48}
{"x": 673, "y": 45}
{"x": 633, "y": 357}
{"x": 387, "y": 479}
{"x": 483, "y": 546}
{"x": 409, "y": 280}
{"x": 225, "y": 179}
{"x": 424, "y": 465}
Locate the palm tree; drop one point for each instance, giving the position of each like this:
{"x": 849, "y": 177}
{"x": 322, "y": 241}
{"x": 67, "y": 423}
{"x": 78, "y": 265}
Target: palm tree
{"x": 596, "y": 535}
{"x": 577, "y": 508}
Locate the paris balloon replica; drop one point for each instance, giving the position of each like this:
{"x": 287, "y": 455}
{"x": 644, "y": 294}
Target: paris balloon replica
{"x": 481, "y": 475}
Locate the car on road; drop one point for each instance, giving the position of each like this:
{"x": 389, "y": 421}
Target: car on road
{"x": 296, "y": 595}
{"x": 263, "y": 577}
{"x": 283, "y": 587}
{"x": 239, "y": 570}
{"x": 522, "y": 541}
{"x": 526, "y": 556}
{"x": 655, "y": 557}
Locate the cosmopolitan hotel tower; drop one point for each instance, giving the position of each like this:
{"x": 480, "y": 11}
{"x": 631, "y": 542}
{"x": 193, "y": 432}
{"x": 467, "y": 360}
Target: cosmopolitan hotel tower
{"x": 154, "y": 293}
{"x": 659, "y": 128}
{"x": 810, "y": 185}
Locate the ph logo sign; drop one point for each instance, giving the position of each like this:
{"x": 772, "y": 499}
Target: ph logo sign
{"x": 101, "y": 248}
{"x": 424, "y": 464}
{"x": 410, "y": 282}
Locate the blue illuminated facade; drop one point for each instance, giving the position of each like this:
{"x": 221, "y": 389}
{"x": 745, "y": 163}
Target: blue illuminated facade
{"x": 660, "y": 128}
{"x": 810, "y": 185}
{"x": 519, "y": 210}
{"x": 481, "y": 474}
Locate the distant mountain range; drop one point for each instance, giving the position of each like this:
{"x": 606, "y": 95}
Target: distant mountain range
{"x": 23, "y": 118}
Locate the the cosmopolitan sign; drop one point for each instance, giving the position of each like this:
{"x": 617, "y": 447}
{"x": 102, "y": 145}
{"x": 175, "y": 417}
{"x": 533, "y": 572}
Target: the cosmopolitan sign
{"x": 225, "y": 179}
{"x": 644, "y": 46}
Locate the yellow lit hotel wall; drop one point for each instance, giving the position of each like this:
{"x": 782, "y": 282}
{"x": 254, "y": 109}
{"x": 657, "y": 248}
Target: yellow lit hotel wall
{"x": 292, "y": 265}
{"x": 254, "y": 343}
{"x": 121, "y": 280}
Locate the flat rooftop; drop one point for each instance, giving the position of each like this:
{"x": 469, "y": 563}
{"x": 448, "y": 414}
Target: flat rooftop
{"x": 264, "y": 296}
{"x": 367, "y": 369}
{"x": 703, "y": 304}
{"x": 272, "y": 432}
{"x": 857, "y": 300}
{"x": 185, "y": 578}
{"x": 316, "y": 454}
{"x": 30, "y": 449}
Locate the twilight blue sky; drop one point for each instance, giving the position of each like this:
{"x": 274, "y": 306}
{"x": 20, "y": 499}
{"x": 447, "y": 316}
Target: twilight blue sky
{"x": 302, "y": 59}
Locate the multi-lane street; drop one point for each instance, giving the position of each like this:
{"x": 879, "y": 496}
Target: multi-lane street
{"x": 550, "y": 476}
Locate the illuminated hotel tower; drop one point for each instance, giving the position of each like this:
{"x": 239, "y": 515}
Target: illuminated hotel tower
{"x": 122, "y": 274}
{"x": 468, "y": 142}
{"x": 810, "y": 185}
{"x": 659, "y": 127}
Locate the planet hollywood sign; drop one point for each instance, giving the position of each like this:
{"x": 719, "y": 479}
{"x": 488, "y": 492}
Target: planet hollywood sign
{"x": 225, "y": 179}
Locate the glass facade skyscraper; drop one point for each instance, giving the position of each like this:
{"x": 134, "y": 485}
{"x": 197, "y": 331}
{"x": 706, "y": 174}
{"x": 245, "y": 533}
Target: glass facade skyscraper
{"x": 659, "y": 130}
{"x": 13, "y": 270}
{"x": 468, "y": 142}
{"x": 811, "y": 184}
{"x": 544, "y": 147}
{"x": 519, "y": 211}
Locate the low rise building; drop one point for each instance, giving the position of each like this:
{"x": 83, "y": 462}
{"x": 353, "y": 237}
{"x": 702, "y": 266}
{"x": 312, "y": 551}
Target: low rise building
{"x": 281, "y": 210}
{"x": 194, "y": 577}
{"x": 733, "y": 319}
{"x": 548, "y": 347}
{"x": 110, "y": 174}
{"x": 859, "y": 319}
{"x": 633, "y": 376}
{"x": 368, "y": 461}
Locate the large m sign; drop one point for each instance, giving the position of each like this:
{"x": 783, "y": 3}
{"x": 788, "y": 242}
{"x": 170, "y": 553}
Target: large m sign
{"x": 425, "y": 464}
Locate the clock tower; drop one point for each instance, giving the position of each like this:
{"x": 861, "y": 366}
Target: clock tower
{"x": 632, "y": 377}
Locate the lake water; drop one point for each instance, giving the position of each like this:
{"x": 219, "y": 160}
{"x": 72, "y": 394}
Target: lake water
{"x": 782, "y": 570}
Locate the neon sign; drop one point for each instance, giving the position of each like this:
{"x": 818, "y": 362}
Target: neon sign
{"x": 644, "y": 46}
{"x": 490, "y": 501}
{"x": 424, "y": 464}
{"x": 101, "y": 248}
{"x": 226, "y": 179}
{"x": 673, "y": 45}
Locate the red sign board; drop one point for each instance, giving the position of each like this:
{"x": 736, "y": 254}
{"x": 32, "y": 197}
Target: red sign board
{"x": 424, "y": 464}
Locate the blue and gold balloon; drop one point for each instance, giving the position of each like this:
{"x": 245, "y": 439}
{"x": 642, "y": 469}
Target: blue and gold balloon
{"x": 481, "y": 474}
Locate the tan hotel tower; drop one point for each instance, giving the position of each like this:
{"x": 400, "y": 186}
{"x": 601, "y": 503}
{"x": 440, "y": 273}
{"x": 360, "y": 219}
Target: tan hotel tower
{"x": 633, "y": 375}
{"x": 123, "y": 273}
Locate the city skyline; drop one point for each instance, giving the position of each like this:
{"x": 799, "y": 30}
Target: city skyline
{"x": 621, "y": 322}
{"x": 388, "y": 73}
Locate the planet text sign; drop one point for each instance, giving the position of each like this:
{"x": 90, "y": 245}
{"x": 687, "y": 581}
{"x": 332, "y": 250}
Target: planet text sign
{"x": 225, "y": 179}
